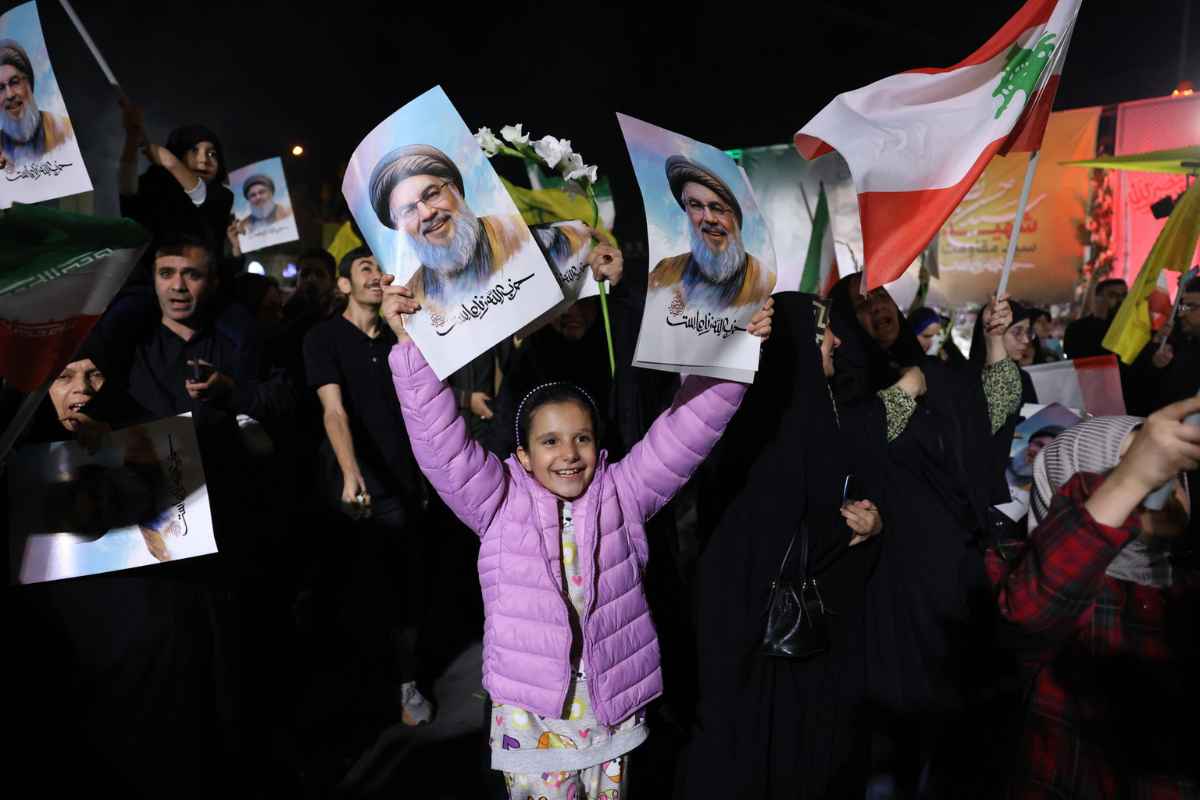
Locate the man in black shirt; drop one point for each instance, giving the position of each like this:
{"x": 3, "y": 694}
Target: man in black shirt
{"x": 375, "y": 478}
{"x": 1085, "y": 336}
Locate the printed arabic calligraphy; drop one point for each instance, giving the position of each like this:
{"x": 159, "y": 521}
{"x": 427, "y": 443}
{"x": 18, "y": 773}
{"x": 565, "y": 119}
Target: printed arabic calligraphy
{"x": 40, "y": 169}
{"x": 478, "y": 306}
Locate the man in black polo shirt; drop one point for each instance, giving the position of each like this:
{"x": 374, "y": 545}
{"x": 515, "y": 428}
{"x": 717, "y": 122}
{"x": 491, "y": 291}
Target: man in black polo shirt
{"x": 375, "y": 478}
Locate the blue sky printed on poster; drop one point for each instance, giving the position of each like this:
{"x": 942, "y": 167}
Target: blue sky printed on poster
{"x": 429, "y": 119}
{"x": 273, "y": 169}
{"x": 21, "y": 24}
{"x": 667, "y": 224}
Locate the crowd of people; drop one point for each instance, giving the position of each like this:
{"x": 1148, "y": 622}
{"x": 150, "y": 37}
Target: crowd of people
{"x": 634, "y": 534}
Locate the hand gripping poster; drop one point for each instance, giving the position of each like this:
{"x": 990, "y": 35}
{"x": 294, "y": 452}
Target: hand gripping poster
{"x": 435, "y": 214}
{"x": 140, "y": 498}
{"x": 39, "y": 155}
{"x": 713, "y": 262}
{"x": 261, "y": 205}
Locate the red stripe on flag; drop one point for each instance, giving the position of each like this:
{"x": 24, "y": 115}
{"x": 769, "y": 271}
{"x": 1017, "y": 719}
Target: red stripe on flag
{"x": 1027, "y": 135}
{"x": 896, "y": 226}
{"x": 1034, "y": 12}
{"x": 810, "y": 146}
{"x": 32, "y": 352}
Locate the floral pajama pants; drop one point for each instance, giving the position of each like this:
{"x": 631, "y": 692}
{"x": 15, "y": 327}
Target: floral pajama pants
{"x": 601, "y": 782}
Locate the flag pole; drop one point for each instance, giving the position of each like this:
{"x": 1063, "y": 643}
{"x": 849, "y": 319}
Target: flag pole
{"x": 87, "y": 39}
{"x": 1016, "y": 231}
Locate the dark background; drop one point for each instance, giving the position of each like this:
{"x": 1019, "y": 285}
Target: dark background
{"x": 266, "y": 76}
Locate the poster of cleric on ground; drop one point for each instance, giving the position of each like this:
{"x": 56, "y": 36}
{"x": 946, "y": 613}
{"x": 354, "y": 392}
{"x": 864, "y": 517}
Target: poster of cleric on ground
{"x": 139, "y": 499}
{"x": 435, "y": 214}
{"x": 713, "y": 263}
{"x": 261, "y": 205}
{"x": 39, "y": 155}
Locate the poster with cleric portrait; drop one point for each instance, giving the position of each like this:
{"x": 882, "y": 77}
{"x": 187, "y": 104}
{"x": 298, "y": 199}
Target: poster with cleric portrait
{"x": 435, "y": 214}
{"x": 262, "y": 207}
{"x": 39, "y": 155}
{"x": 140, "y": 498}
{"x": 713, "y": 265}
{"x": 567, "y": 246}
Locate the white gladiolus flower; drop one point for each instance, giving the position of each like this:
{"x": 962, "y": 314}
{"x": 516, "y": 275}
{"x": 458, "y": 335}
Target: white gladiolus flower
{"x": 514, "y": 134}
{"x": 488, "y": 141}
{"x": 552, "y": 150}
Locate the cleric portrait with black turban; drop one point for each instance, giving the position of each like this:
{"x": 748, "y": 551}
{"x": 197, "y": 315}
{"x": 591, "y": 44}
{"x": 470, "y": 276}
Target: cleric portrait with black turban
{"x": 259, "y": 192}
{"x": 418, "y": 191}
{"x": 27, "y": 133}
{"x": 718, "y": 274}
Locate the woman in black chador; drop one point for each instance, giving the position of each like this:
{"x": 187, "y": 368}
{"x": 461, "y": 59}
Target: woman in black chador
{"x": 770, "y": 727}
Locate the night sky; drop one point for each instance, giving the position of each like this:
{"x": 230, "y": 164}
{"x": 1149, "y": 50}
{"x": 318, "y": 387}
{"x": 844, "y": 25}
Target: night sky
{"x": 269, "y": 75}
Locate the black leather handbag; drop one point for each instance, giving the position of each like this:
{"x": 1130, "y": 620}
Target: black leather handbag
{"x": 797, "y": 620}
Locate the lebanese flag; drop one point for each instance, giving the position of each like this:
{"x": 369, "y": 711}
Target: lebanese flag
{"x": 916, "y": 142}
{"x": 58, "y": 272}
{"x": 1084, "y": 384}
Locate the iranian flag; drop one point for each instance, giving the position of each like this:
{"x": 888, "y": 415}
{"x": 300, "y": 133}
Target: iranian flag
{"x": 58, "y": 272}
{"x": 820, "y": 273}
{"x": 1084, "y": 384}
{"x": 916, "y": 142}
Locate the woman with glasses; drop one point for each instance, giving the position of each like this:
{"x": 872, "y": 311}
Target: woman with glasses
{"x": 1020, "y": 345}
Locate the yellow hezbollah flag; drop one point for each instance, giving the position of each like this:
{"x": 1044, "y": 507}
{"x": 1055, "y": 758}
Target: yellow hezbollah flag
{"x": 345, "y": 241}
{"x": 1173, "y": 249}
{"x": 541, "y": 206}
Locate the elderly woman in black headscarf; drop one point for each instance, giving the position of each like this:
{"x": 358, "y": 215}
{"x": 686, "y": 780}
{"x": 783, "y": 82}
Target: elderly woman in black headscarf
{"x": 928, "y": 597}
{"x": 772, "y": 727}
{"x": 183, "y": 190}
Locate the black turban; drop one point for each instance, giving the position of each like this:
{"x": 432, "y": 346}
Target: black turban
{"x": 15, "y": 56}
{"x": 681, "y": 170}
{"x": 405, "y": 162}
{"x": 257, "y": 179}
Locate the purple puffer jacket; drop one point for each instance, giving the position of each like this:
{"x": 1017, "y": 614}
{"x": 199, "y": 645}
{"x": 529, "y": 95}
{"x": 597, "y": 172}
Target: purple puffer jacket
{"x": 527, "y": 635}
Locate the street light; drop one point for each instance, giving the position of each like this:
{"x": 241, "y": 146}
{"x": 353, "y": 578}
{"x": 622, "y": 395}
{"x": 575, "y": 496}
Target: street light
{"x": 297, "y": 151}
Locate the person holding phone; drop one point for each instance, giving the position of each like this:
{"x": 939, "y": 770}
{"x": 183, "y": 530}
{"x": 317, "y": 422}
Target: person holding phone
{"x": 1109, "y": 604}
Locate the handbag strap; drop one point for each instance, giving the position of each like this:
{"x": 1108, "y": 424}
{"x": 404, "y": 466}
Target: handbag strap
{"x": 803, "y": 551}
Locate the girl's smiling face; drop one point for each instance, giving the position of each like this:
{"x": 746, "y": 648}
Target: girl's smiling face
{"x": 562, "y": 449}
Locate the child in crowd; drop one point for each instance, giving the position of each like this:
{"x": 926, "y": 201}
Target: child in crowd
{"x": 571, "y": 657}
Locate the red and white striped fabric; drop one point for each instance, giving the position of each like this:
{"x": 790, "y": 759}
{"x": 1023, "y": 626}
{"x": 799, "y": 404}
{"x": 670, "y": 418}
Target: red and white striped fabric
{"x": 1084, "y": 384}
{"x": 916, "y": 142}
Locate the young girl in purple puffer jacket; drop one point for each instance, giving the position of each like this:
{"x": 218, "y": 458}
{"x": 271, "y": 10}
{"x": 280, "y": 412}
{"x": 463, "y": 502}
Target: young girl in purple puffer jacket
{"x": 570, "y": 656}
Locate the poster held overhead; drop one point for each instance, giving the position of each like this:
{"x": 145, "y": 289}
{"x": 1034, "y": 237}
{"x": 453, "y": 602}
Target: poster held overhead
{"x": 39, "y": 155}
{"x": 262, "y": 205}
{"x": 714, "y": 264}
{"x": 435, "y": 214}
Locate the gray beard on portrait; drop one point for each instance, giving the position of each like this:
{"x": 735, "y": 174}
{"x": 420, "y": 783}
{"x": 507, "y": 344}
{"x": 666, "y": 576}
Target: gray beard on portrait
{"x": 264, "y": 212}
{"x": 24, "y": 127}
{"x": 717, "y": 267}
{"x": 445, "y": 282}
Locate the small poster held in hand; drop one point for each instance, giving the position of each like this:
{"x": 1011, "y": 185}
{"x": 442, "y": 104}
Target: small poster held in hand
{"x": 436, "y": 215}
{"x": 566, "y": 246}
{"x": 714, "y": 265}
{"x": 39, "y": 155}
{"x": 1040, "y": 425}
{"x": 139, "y": 499}
{"x": 262, "y": 205}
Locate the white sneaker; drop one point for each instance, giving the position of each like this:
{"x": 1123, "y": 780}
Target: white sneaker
{"x": 416, "y": 709}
